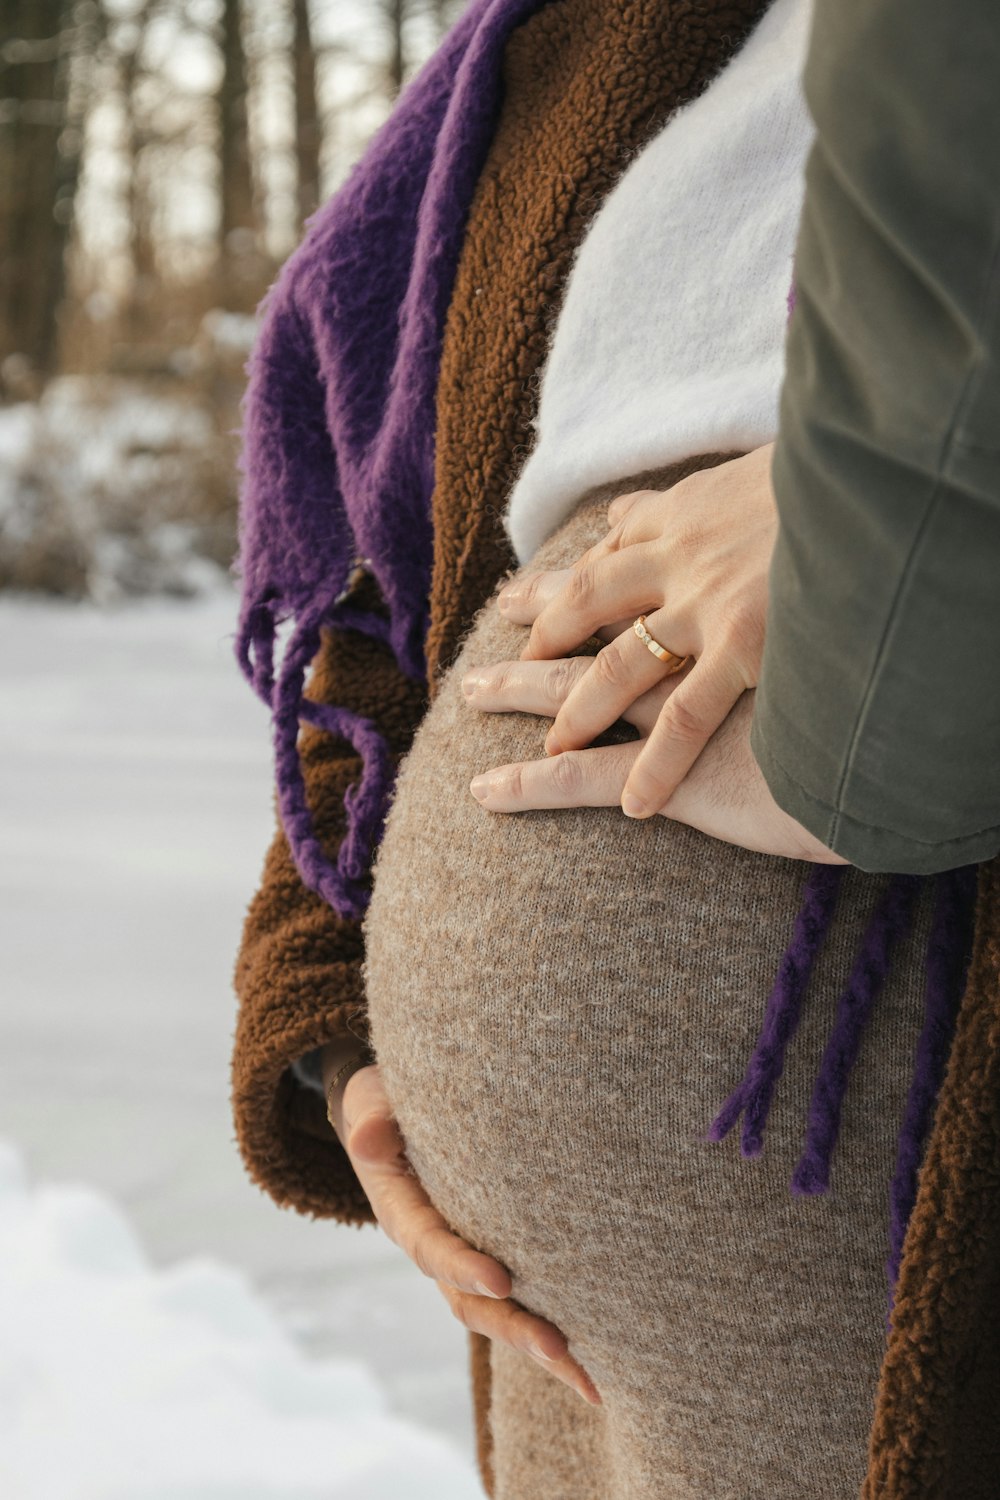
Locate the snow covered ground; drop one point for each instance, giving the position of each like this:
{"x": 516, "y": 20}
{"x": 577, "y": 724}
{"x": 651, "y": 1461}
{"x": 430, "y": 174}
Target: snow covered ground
{"x": 123, "y": 1383}
{"x": 134, "y": 812}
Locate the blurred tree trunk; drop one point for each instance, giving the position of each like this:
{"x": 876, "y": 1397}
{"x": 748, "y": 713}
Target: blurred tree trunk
{"x": 140, "y": 235}
{"x": 308, "y": 135}
{"x": 39, "y": 158}
{"x": 396, "y": 15}
{"x": 237, "y": 216}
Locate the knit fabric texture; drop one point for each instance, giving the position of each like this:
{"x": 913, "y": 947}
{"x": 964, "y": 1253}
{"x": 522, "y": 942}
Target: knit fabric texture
{"x": 557, "y": 1001}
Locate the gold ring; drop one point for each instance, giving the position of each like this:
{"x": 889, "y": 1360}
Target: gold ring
{"x": 671, "y": 661}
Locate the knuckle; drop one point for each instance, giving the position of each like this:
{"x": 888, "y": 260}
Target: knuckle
{"x": 515, "y": 781}
{"x": 567, "y": 773}
{"x": 498, "y": 680}
{"x": 580, "y": 587}
{"x": 559, "y": 680}
{"x": 609, "y": 666}
{"x": 527, "y": 589}
{"x": 682, "y": 722}
{"x": 420, "y": 1255}
{"x": 622, "y": 504}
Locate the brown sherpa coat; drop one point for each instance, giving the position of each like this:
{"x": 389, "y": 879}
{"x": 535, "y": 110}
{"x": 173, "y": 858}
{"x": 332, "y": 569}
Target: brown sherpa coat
{"x": 586, "y": 84}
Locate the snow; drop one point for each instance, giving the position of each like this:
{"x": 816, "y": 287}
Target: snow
{"x": 121, "y": 1382}
{"x": 135, "y": 807}
{"x": 232, "y": 332}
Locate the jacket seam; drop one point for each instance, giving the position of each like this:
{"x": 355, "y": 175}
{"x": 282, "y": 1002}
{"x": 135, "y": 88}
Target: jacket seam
{"x": 896, "y": 833}
{"x": 972, "y": 377}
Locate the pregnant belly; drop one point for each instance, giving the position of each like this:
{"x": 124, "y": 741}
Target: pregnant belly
{"x": 559, "y": 1002}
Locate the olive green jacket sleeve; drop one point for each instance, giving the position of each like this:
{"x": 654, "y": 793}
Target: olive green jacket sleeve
{"x": 877, "y": 719}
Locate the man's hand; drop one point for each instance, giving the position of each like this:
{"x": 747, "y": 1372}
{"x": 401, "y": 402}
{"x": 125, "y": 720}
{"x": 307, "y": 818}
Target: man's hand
{"x": 724, "y": 793}
{"x": 694, "y": 559}
{"x": 475, "y": 1286}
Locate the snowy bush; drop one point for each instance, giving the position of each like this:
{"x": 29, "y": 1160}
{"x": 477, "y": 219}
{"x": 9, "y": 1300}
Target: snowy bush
{"x": 114, "y": 487}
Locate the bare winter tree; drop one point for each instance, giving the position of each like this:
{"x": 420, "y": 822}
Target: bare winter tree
{"x": 135, "y": 139}
{"x": 308, "y": 129}
{"x": 44, "y": 50}
{"x": 237, "y": 216}
{"x": 395, "y": 15}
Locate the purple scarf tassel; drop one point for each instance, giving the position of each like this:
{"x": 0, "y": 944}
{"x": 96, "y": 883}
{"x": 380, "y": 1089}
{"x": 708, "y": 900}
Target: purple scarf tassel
{"x": 949, "y": 949}
{"x": 753, "y": 1094}
{"x": 338, "y": 453}
{"x": 890, "y": 922}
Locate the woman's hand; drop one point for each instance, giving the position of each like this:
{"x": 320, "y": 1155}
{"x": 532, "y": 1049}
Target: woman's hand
{"x": 723, "y": 795}
{"x": 475, "y": 1286}
{"x": 694, "y": 559}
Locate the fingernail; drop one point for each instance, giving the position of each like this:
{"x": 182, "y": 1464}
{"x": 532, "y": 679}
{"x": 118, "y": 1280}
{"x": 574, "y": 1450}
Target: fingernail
{"x": 540, "y": 1353}
{"x": 484, "y": 1291}
{"x": 552, "y": 745}
{"x": 469, "y": 684}
{"x": 479, "y": 787}
{"x": 632, "y": 807}
{"x": 504, "y": 601}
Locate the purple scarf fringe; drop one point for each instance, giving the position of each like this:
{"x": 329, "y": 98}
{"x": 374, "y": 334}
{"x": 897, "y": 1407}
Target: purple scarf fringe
{"x": 889, "y": 923}
{"x": 949, "y": 948}
{"x": 752, "y": 1096}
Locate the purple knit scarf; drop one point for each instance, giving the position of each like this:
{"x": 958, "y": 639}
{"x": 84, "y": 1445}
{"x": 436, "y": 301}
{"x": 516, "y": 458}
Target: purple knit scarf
{"x": 338, "y": 452}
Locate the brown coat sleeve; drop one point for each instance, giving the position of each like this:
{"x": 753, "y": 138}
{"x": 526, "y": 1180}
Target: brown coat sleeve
{"x": 298, "y": 970}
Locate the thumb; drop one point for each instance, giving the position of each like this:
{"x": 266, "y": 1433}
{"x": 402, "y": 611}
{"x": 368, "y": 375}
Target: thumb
{"x": 370, "y": 1128}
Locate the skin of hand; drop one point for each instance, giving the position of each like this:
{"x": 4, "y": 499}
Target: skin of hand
{"x": 724, "y": 794}
{"x": 694, "y": 560}
{"x": 476, "y": 1287}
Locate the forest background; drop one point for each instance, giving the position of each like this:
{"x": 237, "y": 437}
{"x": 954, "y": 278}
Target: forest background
{"x": 158, "y": 159}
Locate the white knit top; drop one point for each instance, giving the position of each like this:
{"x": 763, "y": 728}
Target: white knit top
{"x": 670, "y": 341}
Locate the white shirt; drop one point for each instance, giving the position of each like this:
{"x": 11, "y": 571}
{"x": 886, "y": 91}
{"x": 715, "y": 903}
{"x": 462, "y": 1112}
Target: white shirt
{"x": 670, "y": 341}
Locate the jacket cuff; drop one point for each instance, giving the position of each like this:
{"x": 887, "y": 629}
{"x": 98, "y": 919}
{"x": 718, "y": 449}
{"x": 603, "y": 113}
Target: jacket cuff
{"x": 289, "y": 1147}
{"x": 865, "y": 845}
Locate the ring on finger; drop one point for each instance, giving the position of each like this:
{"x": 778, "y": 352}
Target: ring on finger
{"x": 670, "y": 659}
